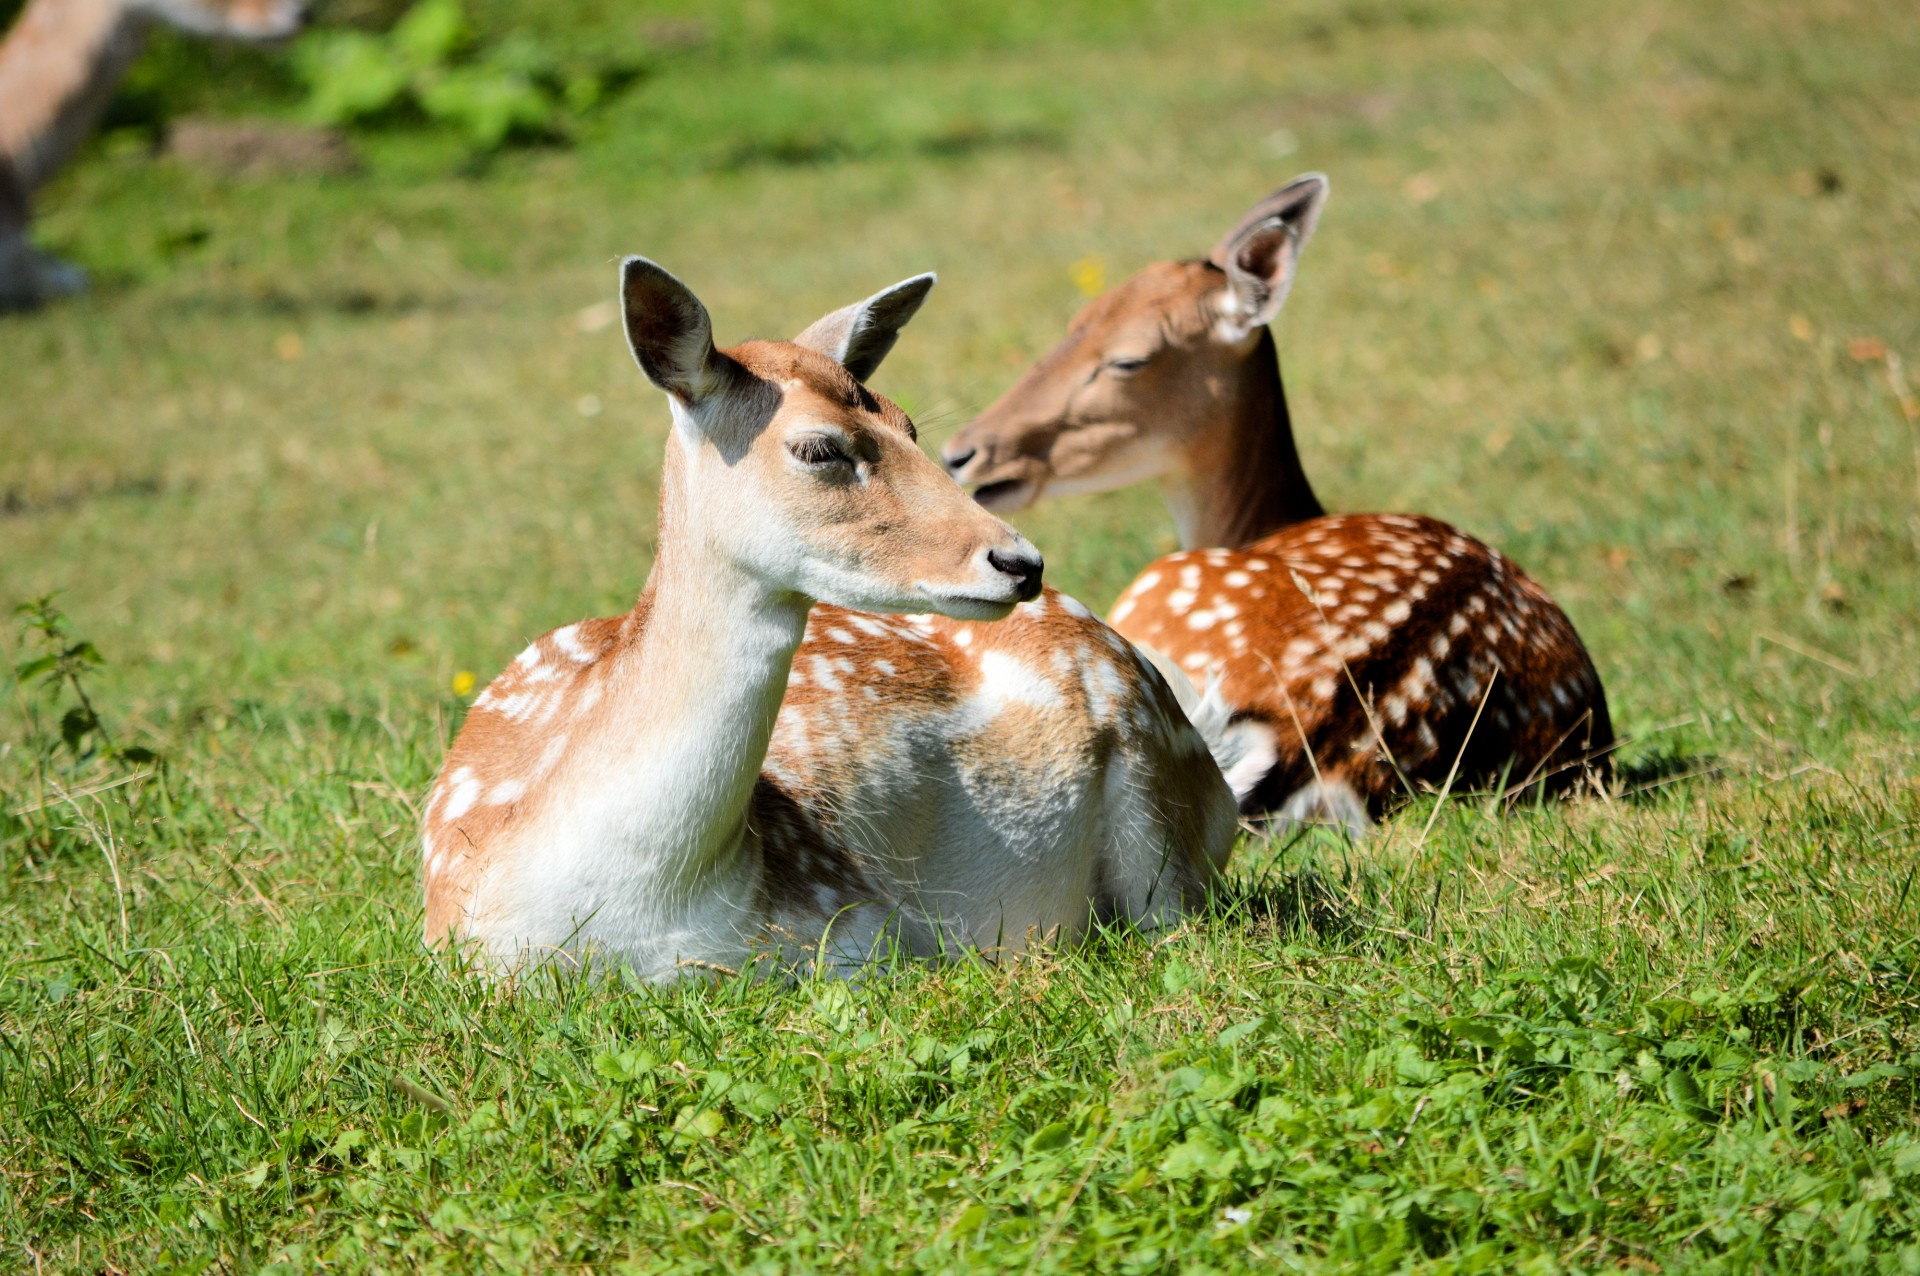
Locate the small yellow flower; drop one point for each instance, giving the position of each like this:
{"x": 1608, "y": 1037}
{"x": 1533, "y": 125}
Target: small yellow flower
{"x": 463, "y": 684}
{"x": 1801, "y": 327}
{"x": 1089, "y": 275}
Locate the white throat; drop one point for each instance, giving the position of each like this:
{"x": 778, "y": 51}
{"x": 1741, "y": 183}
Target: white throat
{"x": 645, "y": 851}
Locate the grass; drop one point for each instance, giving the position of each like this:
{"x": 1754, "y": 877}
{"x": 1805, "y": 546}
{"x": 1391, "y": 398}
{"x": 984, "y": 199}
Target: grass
{"x": 1626, "y": 291}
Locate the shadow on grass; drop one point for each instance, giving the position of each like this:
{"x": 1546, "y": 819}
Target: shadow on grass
{"x": 346, "y": 300}
{"x": 1294, "y": 901}
{"x": 1651, "y": 777}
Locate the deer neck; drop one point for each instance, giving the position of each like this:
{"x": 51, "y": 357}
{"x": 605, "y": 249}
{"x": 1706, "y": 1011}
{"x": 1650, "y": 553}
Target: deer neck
{"x": 59, "y": 68}
{"x": 693, "y": 694}
{"x": 1241, "y": 478}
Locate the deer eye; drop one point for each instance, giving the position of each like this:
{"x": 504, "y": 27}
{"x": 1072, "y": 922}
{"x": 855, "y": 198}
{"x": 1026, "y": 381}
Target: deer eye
{"x": 818, "y": 450}
{"x": 1125, "y": 367}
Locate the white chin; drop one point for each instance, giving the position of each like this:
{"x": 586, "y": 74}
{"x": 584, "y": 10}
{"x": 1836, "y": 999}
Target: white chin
{"x": 968, "y": 606}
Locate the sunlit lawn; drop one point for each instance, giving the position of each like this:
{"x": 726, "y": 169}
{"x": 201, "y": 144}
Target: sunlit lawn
{"x": 1627, "y": 291}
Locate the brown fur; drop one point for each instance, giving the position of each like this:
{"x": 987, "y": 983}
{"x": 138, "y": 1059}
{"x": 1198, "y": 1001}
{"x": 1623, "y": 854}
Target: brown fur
{"x": 1391, "y": 710}
{"x": 1354, "y": 689}
{"x": 896, "y": 734}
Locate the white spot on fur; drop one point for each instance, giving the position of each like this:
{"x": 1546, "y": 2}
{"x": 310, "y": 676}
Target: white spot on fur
{"x": 1326, "y": 802}
{"x": 550, "y": 755}
{"x": 1005, "y": 680}
{"x": 1396, "y": 612}
{"x": 568, "y": 641}
{"x": 463, "y": 790}
{"x": 1418, "y": 681}
{"x": 506, "y": 791}
{"x": 1256, "y": 750}
{"x": 1181, "y": 599}
{"x": 1202, "y": 619}
{"x": 1106, "y": 689}
{"x": 516, "y": 708}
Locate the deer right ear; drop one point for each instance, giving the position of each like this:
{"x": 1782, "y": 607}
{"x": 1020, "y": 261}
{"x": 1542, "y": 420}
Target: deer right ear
{"x": 668, "y": 330}
{"x": 1262, "y": 252}
{"x": 860, "y": 335}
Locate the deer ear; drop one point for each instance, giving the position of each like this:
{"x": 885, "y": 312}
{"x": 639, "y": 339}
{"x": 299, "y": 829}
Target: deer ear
{"x": 860, "y": 335}
{"x": 1261, "y": 254}
{"x": 668, "y": 331}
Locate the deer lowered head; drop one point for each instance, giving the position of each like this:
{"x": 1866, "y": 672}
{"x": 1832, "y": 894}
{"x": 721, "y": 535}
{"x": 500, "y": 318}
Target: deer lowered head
{"x": 1170, "y": 376}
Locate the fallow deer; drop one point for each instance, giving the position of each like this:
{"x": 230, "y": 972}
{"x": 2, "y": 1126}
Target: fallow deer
{"x": 1364, "y": 655}
{"x": 633, "y": 791}
{"x": 60, "y": 65}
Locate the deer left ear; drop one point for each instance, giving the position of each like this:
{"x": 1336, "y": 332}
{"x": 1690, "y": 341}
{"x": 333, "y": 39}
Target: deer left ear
{"x": 860, "y": 335}
{"x": 668, "y": 331}
{"x": 1261, "y": 253}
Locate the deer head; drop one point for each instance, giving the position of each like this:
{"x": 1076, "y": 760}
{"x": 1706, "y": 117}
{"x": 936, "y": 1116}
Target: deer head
{"x": 1148, "y": 372}
{"x": 785, "y": 465}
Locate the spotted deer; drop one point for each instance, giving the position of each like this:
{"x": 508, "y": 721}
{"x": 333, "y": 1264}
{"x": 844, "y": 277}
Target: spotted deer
{"x": 1364, "y": 656}
{"x": 60, "y": 65}
{"x": 844, "y": 714}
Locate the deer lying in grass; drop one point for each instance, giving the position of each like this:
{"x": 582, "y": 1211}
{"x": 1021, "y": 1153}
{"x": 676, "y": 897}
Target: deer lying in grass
{"x": 59, "y": 68}
{"x": 1364, "y": 655}
{"x": 633, "y": 790}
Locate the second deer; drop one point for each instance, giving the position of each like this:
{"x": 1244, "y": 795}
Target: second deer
{"x": 1365, "y": 656}
{"x": 730, "y": 770}
{"x": 60, "y": 65}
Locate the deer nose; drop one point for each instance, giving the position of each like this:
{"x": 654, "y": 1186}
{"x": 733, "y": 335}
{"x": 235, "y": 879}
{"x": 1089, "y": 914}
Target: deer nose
{"x": 956, "y": 455}
{"x": 1024, "y": 566}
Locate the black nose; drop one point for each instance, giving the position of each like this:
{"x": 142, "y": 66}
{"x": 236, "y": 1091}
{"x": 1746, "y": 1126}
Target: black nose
{"x": 1025, "y": 568}
{"x": 957, "y": 461}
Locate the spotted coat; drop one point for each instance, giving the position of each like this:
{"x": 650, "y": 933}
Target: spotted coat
{"x": 1368, "y": 656}
{"x": 918, "y": 766}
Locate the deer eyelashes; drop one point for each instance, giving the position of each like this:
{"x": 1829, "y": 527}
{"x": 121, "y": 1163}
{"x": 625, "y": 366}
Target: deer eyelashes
{"x": 819, "y": 451}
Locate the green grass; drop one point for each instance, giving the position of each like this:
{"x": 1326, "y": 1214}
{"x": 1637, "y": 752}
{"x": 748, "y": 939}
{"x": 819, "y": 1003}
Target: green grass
{"x": 1590, "y": 285}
